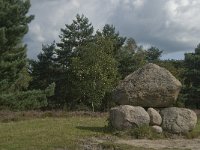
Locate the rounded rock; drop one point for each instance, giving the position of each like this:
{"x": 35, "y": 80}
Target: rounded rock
{"x": 155, "y": 118}
{"x": 157, "y": 129}
{"x": 178, "y": 120}
{"x": 149, "y": 86}
{"x": 126, "y": 116}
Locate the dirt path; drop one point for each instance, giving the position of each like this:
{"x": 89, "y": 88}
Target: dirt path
{"x": 193, "y": 144}
{"x": 166, "y": 144}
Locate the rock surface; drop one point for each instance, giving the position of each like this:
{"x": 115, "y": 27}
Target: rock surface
{"x": 178, "y": 120}
{"x": 149, "y": 86}
{"x": 126, "y": 116}
{"x": 155, "y": 118}
{"x": 157, "y": 129}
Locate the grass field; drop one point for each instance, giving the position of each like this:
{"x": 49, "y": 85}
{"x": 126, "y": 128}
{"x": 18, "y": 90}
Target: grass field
{"x": 49, "y": 133}
{"x": 42, "y": 132}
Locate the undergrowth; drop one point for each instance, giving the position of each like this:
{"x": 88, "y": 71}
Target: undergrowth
{"x": 146, "y": 132}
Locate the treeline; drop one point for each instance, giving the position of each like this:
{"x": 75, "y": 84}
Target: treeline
{"x": 86, "y": 65}
{"x": 80, "y": 71}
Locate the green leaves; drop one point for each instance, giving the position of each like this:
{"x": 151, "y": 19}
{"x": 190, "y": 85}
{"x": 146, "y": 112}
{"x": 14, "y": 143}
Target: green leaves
{"x": 95, "y": 73}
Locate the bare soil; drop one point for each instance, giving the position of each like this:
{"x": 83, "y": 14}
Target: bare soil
{"x": 193, "y": 144}
{"x": 144, "y": 144}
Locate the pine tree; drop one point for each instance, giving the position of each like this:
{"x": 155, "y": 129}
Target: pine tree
{"x": 43, "y": 70}
{"x": 153, "y": 54}
{"x": 79, "y": 33}
{"x": 73, "y": 36}
{"x": 14, "y": 77}
{"x": 13, "y": 27}
{"x": 109, "y": 33}
{"x": 192, "y": 77}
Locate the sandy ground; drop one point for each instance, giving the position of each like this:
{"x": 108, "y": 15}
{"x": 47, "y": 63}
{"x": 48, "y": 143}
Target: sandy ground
{"x": 193, "y": 144}
{"x": 172, "y": 144}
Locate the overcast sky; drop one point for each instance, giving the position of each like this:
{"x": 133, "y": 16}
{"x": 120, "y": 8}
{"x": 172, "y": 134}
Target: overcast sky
{"x": 171, "y": 25}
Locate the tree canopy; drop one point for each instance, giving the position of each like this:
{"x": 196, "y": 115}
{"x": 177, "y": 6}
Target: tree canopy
{"x": 81, "y": 70}
{"x": 14, "y": 76}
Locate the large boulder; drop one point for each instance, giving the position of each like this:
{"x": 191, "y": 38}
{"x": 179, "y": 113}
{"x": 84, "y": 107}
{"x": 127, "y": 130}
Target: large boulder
{"x": 149, "y": 86}
{"x": 155, "y": 118}
{"x": 178, "y": 120}
{"x": 126, "y": 116}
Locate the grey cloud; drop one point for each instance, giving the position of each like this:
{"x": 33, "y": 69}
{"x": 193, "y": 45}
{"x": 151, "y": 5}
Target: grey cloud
{"x": 171, "y": 25}
{"x": 154, "y": 24}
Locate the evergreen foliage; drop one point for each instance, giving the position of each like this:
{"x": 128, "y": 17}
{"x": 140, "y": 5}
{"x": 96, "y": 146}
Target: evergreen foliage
{"x": 73, "y": 36}
{"x": 153, "y": 54}
{"x": 14, "y": 77}
{"x": 79, "y": 33}
{"x": 130, "y": 57}
{"x": 109, "y": 33}
{"x": 86, "y": 67}
{"x": 83, "y": 67}
{"x": 13, "y": 27}
{"x": 192, "y": 77}
{"x": 26, "y": 100}
{"x": 43, "y": 70}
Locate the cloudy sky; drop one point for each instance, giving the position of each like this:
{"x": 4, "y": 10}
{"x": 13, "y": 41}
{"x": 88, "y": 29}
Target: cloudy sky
{"x": 171, "y": 25}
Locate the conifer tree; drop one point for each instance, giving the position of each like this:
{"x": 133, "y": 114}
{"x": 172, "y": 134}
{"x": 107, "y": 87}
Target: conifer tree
{"x": 13, "y": 27}
{"x": 14, "y": 77}
{"x": 192, "y": 77}
{"x": 78, "y": 33}
{"x": 43, "y": 70}
{"x": 153, "y": 54}
{"x": 109, "y": 33}
{"x": 73, "y": 36}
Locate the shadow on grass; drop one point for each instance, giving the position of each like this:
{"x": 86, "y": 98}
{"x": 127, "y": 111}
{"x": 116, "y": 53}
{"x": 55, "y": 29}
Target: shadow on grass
{"x": 94, "y": 129}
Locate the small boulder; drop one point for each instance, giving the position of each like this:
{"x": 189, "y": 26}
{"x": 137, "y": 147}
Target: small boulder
{"x": 178, "y": 120}
{"x": 157, "y": 129}
{"x": 126, "y": 116}
{"x": 155, "y": 118}
{"x": 149, "y": 86}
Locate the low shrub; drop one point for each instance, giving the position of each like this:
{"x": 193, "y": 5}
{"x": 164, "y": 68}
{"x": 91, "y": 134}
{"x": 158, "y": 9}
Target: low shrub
{"x": 145, "y": 132}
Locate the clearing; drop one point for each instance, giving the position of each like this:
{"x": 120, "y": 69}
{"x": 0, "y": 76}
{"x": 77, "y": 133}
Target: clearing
{"x": 73, "y": 131}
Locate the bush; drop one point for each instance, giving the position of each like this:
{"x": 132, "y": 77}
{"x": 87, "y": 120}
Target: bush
{"x": 26, "y": 100}
{"x": 145, "y": 132}
{"x": 142, "y": 132}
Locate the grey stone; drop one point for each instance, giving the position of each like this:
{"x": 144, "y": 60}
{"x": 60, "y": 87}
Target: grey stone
{"x": 155, "y": 118}
{"x": 178, "y": 120}
{"x": 157, "y": 129}
{"x": 149, "y": 86}
{"x": 126, "y": 116}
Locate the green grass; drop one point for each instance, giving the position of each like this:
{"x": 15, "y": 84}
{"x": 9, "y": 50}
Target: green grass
{"x": 60, "y": 131}
{"x": 49, "y": 133}
{"x": 195, "y": 133}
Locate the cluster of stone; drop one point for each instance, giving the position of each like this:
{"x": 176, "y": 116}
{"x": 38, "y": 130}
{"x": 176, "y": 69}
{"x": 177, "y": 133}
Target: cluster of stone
{"x": 155, "y": 89}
